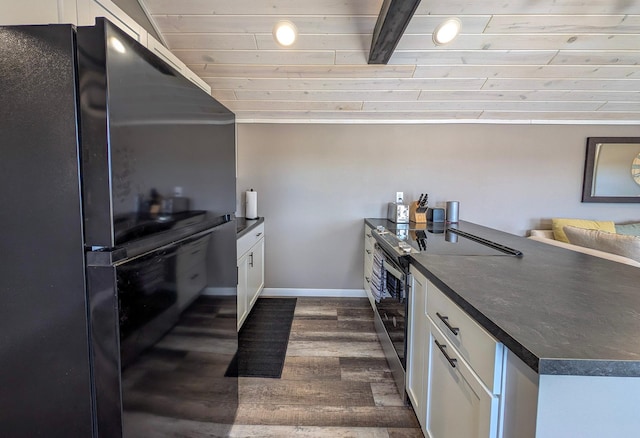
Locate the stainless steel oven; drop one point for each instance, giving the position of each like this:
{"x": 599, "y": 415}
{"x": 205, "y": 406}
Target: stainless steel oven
{"x": 390, "y": 289}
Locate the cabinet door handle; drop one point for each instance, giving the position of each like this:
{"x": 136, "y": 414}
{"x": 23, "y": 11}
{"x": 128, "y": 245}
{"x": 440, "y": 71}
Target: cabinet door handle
{"x": 368, "y": 235}
{"x": 368, "y": 279}
{"x": 259, "y": 234}
{"x": 452, "y": 361}
{"x": 368, "y": 251}
{"x": 445, "y": 320}
{"x": 251, "y": 262}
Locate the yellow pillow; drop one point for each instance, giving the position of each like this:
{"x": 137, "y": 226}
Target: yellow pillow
{"x": 558, "y": 223}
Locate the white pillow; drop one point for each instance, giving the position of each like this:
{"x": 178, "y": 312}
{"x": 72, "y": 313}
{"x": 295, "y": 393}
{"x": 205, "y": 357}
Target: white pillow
{"x": 627, "y": 246}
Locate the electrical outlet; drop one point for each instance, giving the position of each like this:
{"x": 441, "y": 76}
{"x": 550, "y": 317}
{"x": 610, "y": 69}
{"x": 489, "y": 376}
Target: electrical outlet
{"x": 399, "y": 197}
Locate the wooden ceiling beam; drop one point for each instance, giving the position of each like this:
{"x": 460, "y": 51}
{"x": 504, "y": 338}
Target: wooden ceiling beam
{"x": 392, "y": 21}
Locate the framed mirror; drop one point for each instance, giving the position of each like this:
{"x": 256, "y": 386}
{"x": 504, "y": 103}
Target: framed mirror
{"x": 612, "y": 170}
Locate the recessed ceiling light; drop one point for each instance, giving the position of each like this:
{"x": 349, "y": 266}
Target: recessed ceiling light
{"x": 446, "y": 31}
{"x": 285, "y": 33}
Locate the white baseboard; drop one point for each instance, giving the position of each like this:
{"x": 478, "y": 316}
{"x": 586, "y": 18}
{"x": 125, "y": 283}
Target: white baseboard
{"x": 291, "y": 292}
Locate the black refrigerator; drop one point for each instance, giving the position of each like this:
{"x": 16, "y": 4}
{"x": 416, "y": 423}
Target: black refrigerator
{"x": 117, "y": 218}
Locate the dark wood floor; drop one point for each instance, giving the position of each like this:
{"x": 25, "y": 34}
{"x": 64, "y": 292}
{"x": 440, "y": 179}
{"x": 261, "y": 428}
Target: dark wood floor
{"x": 335, "y": 383}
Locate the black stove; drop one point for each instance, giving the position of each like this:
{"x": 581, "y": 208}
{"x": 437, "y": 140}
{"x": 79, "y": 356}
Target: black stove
{"x": 438, "y": 238}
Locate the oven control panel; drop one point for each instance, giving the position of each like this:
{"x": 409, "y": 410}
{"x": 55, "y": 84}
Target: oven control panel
{"x": 396, "y": 240}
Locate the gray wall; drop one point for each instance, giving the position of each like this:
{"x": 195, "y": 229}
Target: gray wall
{"x": 316, "y": 183}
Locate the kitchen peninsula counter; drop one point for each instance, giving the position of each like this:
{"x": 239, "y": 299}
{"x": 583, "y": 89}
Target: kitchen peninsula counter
{"x": 570, "y": 322}
{"x": 561, "y": 312}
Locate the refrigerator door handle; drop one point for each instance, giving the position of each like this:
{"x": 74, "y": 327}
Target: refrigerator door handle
{"x": 118, "y": 256}
{"x": 106, "y": 258}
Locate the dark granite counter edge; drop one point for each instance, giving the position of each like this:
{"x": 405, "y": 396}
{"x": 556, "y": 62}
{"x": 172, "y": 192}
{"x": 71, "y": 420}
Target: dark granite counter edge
{"x": 248, "y": 224}
{"x": 566, "y": 367}
{"x": 604, "y": 368}
{"x": 555, "y": 366}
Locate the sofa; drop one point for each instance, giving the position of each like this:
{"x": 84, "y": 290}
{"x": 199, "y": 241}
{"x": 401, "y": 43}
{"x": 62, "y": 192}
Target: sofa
{"x": 616, "y": 242}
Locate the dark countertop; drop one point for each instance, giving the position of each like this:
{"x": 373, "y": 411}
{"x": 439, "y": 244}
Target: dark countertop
{"x": 244, "y": 225}
{"x": 560, "y": 311}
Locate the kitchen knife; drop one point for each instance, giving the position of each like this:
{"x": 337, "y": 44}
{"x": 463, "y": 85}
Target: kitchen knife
{"x": 420, "y": 199}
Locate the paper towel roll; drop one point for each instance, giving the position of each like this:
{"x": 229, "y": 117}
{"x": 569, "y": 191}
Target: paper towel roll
{"x": 251, "y": 198}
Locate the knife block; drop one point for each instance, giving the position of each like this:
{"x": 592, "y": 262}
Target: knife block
{"x": 417, "y": 215}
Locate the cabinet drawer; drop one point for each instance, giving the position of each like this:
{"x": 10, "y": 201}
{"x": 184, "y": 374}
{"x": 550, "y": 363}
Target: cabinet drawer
{"x": 368, "y": 236}
{"x": 368, "y": 264}
{"x": 192, "y": 253}
{"x": 251, "y": 238}
{"x": 368, "y": 272}
{"x": 458, "y": 403}
{"x": 368, "y": 250}
{"x": 481, "y": 350}
{"x": 190, "y": 282}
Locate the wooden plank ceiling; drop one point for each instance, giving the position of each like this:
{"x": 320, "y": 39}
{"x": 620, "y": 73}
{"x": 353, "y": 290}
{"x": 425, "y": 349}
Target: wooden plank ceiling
{"x": 515, "y": 60}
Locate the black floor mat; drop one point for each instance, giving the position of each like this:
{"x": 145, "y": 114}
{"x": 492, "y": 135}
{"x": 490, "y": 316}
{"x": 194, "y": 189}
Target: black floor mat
{"x": 263, "y": 339}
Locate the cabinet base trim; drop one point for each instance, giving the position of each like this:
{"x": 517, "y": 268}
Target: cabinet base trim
{"x": 293, "y": 292}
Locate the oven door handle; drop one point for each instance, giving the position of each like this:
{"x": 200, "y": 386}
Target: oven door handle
{"x": 393, "y": 269}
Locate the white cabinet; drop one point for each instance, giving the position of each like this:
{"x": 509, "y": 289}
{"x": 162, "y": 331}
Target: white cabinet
{"x": 369, "y": 243}
{"x": 459, "y": 405}
{"x": 38, "y": 12}
{"x": 243, "y": 267}
{"x": 84, "y": 13}
{"x": 191, "y": 271}
{"x": 162, "y": 52}
{"x": 250, "y": 270}
{"x": 418, "y": 346}
{"x": 475, "y": 345}
{"x": 454, "y": 367}
{"x": 255, "y": 272}
{"x": 88, "y": 10}
{"x": 78, "y": 12}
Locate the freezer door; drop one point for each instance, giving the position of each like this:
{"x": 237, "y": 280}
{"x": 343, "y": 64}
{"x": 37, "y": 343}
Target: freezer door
{"x": 155, "y": 146}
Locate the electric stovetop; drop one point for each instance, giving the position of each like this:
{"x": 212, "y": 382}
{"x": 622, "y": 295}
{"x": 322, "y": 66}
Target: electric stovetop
{"x": 437, "y": 238}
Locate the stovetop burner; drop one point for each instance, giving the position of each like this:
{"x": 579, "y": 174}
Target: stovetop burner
{"x": 438, "y": 238}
